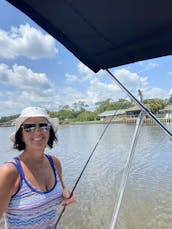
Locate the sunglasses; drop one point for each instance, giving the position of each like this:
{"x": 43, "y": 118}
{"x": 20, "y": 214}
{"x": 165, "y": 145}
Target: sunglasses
{"x": 31, "y": 127}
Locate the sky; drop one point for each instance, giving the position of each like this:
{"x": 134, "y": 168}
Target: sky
{"x": 36, "y": 70}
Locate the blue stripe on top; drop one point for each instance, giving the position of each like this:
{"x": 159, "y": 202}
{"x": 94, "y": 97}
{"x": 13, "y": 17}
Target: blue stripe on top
{"x": 30, "y": 208}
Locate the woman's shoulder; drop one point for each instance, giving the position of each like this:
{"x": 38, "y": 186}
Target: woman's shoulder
{"x": 8, "y": 172}
{"x": 9, "y": 168}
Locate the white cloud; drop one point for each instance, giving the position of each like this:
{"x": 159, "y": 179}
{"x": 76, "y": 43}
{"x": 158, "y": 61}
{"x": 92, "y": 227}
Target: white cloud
{"x": 99, "y": 91}
{"x": 26, "y": 41}
{"x": 134, "y": 81}
{"x": 131, "y": 79}
{"x": 102, "y": 88}
{"x": 69, "y": 95}
{"x": 14, "y": 102}
{"x": 82, "y": 68}
{"x": 156, "y": 93}
{"x": 71, "y": 78}
{"x": 22, "y": 87}
{"x": 147, "y": 65}
{"x": 84, "y": 74}
{"x": 24, "y": 78}
{"x": 10, "y": 107}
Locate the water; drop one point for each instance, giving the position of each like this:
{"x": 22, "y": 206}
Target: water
{"x": 147, "y": 201}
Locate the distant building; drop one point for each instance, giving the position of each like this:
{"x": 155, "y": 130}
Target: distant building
{"x": 120, "y": 114}
{"x": 130, "y": 115}
{"x": 166, "y": 113}
{"x": 133, "y": 111}
{"x": 108, "y": 114}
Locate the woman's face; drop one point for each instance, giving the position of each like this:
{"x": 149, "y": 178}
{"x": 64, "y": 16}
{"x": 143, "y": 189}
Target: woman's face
{"x": 35, "y": 133}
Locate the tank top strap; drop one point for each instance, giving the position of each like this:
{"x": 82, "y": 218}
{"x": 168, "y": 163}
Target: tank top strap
{"x": 51, "y": 163}
{"x": 19, "y": 167}
{"x": 17, "y": 164}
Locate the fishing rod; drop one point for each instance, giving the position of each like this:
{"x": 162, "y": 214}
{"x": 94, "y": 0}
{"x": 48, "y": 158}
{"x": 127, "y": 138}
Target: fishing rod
{"x": 127, "y": 167}
{"x": 79, "y": 177}
{"x": 140, "y": 104}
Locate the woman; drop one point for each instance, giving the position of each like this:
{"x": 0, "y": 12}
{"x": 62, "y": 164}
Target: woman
{"x": 31, "y": 185}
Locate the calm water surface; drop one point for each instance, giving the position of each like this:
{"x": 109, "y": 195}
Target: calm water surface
{"x": 147, "y": 201}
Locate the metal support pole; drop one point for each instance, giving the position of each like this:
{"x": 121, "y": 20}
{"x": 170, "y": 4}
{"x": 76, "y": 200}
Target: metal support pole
{"x": 126, "y": 169}
{"x": 140, "y": 104}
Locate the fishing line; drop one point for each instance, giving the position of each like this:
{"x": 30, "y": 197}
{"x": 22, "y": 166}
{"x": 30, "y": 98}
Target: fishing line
{"x": 79, "y": 177}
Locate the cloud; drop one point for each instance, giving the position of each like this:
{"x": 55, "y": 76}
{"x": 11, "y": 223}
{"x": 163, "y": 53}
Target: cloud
{"x": 99, "y": 91}
{"x": 86, "y": 73}
{"x": 83, "y": 74}
{"x": 156, "y": 93}
{"x": 102, "y": 88}
{"x": 131, "y": 79}
{"x": 26, "y": 41}
{"x": 71, "y": 78}
{"x": 24, "y": 78}
{"x": 21, "y": 87}
{"x": 69, "y": 95}
{"x": 134, "y": 81}
{"x": 83, "y": 69}
{"x": 147, "y": 66}
{"x": 13, "y": 102}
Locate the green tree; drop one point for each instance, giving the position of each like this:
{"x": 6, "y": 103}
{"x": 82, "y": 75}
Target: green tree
{"x": 122, "y": 104}
{"x": 103, "y": 105}
{"x": 108, "y": 105}
{"x": 80, "y": 105}
{"x": 86, "y": 116}
{"x": 8, "y": 118}
{"x": 155, "y": 104}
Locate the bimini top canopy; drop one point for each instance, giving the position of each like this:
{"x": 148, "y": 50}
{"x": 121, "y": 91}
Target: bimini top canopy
{"x": 106, "y": 33}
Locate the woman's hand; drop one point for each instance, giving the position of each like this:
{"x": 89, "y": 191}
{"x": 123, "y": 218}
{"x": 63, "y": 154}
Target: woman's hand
{"x": 67, "y": 200}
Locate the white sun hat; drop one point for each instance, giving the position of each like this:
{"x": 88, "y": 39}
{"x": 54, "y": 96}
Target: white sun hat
{"x": 33, "y": 112}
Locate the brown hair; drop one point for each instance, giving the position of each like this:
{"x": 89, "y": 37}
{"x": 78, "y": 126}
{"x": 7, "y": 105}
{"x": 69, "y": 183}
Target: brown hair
{"x": 19, "y": 144}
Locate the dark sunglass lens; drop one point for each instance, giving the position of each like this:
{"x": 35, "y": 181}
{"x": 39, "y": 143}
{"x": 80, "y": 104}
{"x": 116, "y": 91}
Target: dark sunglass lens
{"x": 29, "y": 127}
{"x": 44, "y": 126}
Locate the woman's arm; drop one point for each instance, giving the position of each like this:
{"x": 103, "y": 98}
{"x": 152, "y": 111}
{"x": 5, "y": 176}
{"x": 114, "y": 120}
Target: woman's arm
{"x": 8, "y": 179}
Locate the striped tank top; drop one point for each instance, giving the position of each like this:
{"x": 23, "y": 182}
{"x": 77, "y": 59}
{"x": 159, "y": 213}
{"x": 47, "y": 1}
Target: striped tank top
{"x": 30, "y": 208}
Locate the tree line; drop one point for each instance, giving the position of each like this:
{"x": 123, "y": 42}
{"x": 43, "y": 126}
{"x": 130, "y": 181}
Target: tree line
{"x": 80, "y": 112}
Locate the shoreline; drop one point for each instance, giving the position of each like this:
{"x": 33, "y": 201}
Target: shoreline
{"x": 118, "y": 121}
